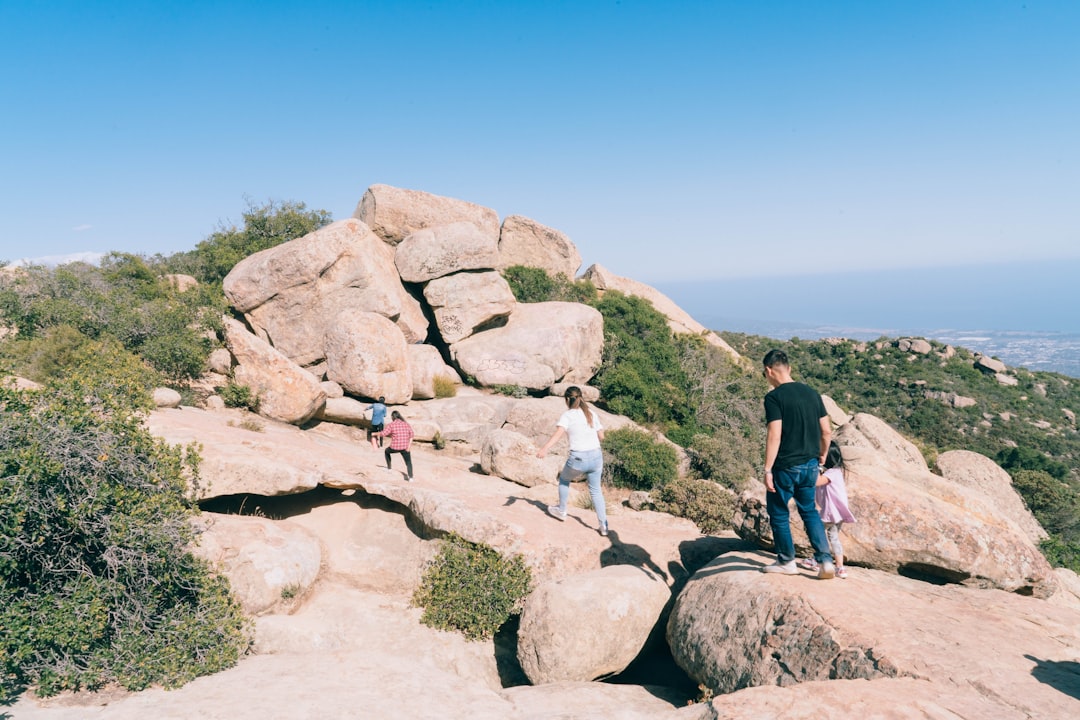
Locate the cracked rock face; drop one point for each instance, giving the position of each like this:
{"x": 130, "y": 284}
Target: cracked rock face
{"x": 731, "y": 629}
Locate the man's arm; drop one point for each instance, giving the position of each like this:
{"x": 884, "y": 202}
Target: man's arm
{"x": 826, "y": 438}
{"x": 772, "y": 447}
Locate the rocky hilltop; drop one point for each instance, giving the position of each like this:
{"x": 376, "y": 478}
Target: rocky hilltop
{"x": 949, "y": 610}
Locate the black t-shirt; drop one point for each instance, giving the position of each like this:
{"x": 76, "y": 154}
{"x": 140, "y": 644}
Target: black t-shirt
{"x": 800, "y": 409}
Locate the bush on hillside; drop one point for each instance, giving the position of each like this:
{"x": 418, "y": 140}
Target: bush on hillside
{"x": 641, "y": 376}
{"x": 97, "y": 584}
{"x": 532, "y": 285}
{"x": 724, "y": 458}
{"x": 633, "y": 459}
{"x": 710, "y": 506}
{"x": 471, "y": 588}
{"x": 239, "y": 396}
{"x": 124, "y": 299}
{"x": 265, "y": 226}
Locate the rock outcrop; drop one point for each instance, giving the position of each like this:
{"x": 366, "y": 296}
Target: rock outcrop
{"x": 285, "y": 392}
{"x": 910, "y": 521}
{"x": 589, "y": 626}
{"x": 541, "y": 344}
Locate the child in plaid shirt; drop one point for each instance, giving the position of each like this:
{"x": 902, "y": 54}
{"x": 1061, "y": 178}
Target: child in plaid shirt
{"x": 401, "y": 435}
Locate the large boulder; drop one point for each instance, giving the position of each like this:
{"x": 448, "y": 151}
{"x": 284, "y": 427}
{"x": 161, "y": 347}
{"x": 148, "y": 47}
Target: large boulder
{"x": 465, "y": 302}
{"x": 913, "y": 522}
{"x": 512, "y": 456}
{"x": 591, "y": 625}
{"x": 290, "y": 293}
{"x": 679, "y": 320}
{"x": 993, "y": 484}
{"x": 541, "y": 344}
{"x": 394, "y": 213}
{"x": 443, "y": 249}
{"x": 734, "y": 627}
{"x": 344, "y": 410}
{"x": 266, "y": 561}
{"x": 285, "y": 391}
{"x": 425, "y": 364}
{"x": 465, "y": 419}
{"x": 526, "y": 242}
{"x": 366, "y": 355}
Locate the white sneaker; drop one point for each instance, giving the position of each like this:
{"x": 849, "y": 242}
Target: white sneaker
{"x": 603, "y": 529}
{"x": 555, "y": 512}
{"x": 788, "y": 568}
{"x": 827, "y": 572}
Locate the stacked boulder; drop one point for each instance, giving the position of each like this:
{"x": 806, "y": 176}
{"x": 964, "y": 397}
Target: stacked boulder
{"x": 406, "y": 291}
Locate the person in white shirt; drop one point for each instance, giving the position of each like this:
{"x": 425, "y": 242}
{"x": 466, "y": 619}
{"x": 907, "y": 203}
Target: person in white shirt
{"x": 583, "y": 429}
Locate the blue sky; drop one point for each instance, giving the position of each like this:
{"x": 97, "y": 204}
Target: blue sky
{"x": 670, "y": 140}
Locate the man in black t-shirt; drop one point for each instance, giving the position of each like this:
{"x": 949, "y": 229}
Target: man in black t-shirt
{"x": 797, "y": 439}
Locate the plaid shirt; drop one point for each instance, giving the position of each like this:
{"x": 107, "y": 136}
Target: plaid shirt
{"x": 401, "y": 434}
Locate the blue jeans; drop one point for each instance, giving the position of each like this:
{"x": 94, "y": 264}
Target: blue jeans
{"x": 796, "y": 482}
{"x": 589, "y": 463}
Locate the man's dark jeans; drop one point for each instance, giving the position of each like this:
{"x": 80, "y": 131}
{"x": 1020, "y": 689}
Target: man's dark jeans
{"x": 796, "y": 482}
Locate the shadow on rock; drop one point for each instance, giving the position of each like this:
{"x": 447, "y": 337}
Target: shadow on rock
{"x": 1064, "y": 675}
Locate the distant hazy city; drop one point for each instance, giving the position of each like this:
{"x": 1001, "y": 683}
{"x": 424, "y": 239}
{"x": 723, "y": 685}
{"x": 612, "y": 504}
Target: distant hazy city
{"x": 1048, "y": 351}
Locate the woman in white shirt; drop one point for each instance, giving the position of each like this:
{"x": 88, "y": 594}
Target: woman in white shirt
{"x": 584, "y": 431}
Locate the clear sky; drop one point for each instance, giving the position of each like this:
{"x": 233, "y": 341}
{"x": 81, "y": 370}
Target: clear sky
{"x": 670, "y": 140}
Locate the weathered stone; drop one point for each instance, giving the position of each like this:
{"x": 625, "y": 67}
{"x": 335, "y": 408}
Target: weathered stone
{"x": 426, "y": 364}
{"x": 541, "y": 344}
{"x": 366, "y": 355}
{"x": 166, "y": 398}
{"x": 344, "y": 410}
{"x": 512, "y": 456}
{"x": 292, "y": 293}
{"x": 219, "y": 361}
{"x": 989, "y": 365}
{"x": 444, "y": 249}
{"x": 837, "y": 416}
{"x": 267, "y": 561}
{"x": 285, "y": 392}
{"x": 523, "y": 241}
{"x": 589, "y": 626}
{"x": 180, "y": 282}
{"x": 394, "y": 213}
{"x": 465, "y": 302}
{"x": 588, "y": 392}
{"x": 993, "y": 484}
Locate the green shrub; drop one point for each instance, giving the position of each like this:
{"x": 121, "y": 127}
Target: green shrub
{"x": 1053, "y": 503}
{"x": 724, "y": 458}
{"x": 514, "y": 391}
{"x": 531, "y": 285}
{"x": 240, "y": 396}
{"x": 97, "y": 585}
{"x": 471, "y": 588}
{"x": 641, "y": 375}
{"x": 710, "y": 506}
{"x": 632, "y": 459}
{"x": 445, "y": 387}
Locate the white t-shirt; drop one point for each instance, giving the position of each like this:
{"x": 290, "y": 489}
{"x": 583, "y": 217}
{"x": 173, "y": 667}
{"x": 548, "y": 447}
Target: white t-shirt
{"x": 582, "y": 436}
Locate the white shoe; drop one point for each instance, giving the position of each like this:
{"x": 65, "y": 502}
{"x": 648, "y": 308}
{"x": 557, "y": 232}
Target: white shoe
{"x": 827, "y": 572}
{"x": 555, "y": 512}
{"x": 603, "y": 529}
{"x": 788, "y": 568}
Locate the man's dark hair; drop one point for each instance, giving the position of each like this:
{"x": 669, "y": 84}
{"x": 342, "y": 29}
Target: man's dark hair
{"x": 774, "y": 358}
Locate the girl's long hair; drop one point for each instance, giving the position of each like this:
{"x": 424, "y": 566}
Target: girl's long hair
{"x": 834, "y": 459}
{"x": 574, "y": 400}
